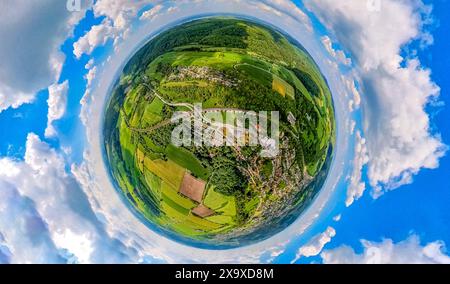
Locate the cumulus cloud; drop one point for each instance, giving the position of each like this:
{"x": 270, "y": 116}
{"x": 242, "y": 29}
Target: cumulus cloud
{"x": 97, "y": 35}
{"x": 316, "y": 244}
{"x": 396, "y": 89}
{"x": 26, "y": 237}
{"x": 121, "y": 12}
{"x": 46, "y": 217}
{"x": 356, "y": 186}
{"x": 30, "y": 55}
{"x": 57, "y": 101}
{"x": 151, "y": 13}
{"x": 409, "y": 251}
{"x": 352, "y": 90}
{"x": 118, "y": 16}
{"x": 337, "y": 54}
{"x": 86, "y": 99}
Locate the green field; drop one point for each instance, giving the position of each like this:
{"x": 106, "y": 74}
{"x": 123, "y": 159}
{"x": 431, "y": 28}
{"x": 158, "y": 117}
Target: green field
{"x": 224, "y": 204}
{"x": 169, "y": 172}
{"x": 187, "y": 160}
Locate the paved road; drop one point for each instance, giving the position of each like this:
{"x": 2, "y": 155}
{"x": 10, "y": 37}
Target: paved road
{"x": 189, "y": 106}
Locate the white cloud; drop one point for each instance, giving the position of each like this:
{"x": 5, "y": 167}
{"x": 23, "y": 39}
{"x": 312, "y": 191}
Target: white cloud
{"x": 90, "y": 64}
{"x": 151, "y": 13}
{"x": 400, "y": 142}
{"x": 30, "y": 56}
{"x": 352, "y": 126}
{"x": 339, "y": 55}
{"x": 267, "y": 8}
{"x": 45, "y": 215}
{"x": 409, "y": 251}
{"x": 97, "y": 35}
{"x": 399, "y": 139}
{"x": 86, "y": 99}
{"x": 57, "y": 102}
{"x": 356, "y": 186}
{"x": 26, "y": 238}
{"x": 337, "y": 218}
{"x": 172, "y": 9}
{"x": 90, "y": 76}
{"x": 352, "y": 90}
{"x": 118, "y": 17}
{"x": 121, "y": 12}
{"x": 79, "y": 245}
{"x": 316, "y": 244}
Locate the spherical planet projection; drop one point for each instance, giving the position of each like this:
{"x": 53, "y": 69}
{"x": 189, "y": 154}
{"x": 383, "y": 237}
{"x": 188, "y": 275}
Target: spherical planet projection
{"x": 219, "y": 132}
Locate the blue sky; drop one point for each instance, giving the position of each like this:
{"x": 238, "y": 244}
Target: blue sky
{"x": 36, "y": 167}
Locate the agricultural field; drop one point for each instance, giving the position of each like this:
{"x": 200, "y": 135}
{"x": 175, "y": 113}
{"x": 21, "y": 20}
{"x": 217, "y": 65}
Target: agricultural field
{"x": 217, "y": 195}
